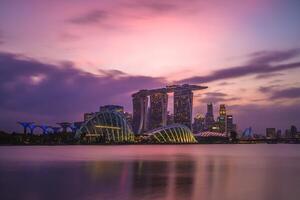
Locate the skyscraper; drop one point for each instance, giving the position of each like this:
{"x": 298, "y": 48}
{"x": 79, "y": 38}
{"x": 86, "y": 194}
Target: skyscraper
{"x": 230, "y": 127}
{"x": 183, "y": 106}
{"x": 158, "y": 109}
{"x": 222, "y": 118}
{"x": 209, "y": 117}
{"x": 140, "y": 115}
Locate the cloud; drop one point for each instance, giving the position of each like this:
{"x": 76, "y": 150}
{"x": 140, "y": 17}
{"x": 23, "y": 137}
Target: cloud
{"x": 32, "y": 90}
{"x": 265, "y": 57}
{"x": 91, "y": 17}
{"x": 217, "y": 97}
{"x": 275, "y": 92}
{"x": 266, "y": 76}
{"x": 289, "y": 93}
{"x": 118, "y": 12}
{"x": 259, "y": 64}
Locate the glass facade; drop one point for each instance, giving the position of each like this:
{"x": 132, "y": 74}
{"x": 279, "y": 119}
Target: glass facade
{"x": 172, "y": 134}
{"x": 106, "y": 127}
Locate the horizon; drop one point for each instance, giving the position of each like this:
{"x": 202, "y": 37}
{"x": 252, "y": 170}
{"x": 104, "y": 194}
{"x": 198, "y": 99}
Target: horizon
{"x": 60, "y": 59}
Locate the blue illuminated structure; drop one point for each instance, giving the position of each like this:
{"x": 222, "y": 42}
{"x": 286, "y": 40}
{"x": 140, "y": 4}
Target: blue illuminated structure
{"x": 44, "y": 128}
{"x": 247, "y": 133}
{"x": 31, "y": 128}
{"x": 55, "y": 129}
{"x": 25, "y": 125}
{"x": 64, "y": 126}
{"x": 74, "y": 127}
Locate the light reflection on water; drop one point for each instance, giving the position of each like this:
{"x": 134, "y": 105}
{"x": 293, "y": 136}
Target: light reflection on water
{"x": 208, "y": 172}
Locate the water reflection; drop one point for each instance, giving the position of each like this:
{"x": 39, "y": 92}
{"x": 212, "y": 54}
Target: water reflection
{"x": 179, "y": 175}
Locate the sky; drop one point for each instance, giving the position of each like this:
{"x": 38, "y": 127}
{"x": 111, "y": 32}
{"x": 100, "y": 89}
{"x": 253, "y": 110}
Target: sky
{"x": 61, "y": 58}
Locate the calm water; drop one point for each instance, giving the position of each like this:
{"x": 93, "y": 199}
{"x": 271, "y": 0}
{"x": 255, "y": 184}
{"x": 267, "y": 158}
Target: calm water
{"x": 207, "y": 172}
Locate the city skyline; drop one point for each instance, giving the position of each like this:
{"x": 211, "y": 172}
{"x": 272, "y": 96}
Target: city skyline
{"x": 55, "y": 66}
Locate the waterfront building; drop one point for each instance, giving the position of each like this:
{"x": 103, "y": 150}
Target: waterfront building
{"x": 230, "y": 126}
{"x": 209, "y": 117}
{"x": 147, "y": 117}
{"x": 183, "y": 106}
{"x": 140, "y": 111}
{"x": 158, "y": 110}
{"x": 172, "y": 134}
{"x": 222, "y": 118}
{"x": 293, "y": 131}
{"x": 105, "y": 127}
{"x": 271, "y": 132}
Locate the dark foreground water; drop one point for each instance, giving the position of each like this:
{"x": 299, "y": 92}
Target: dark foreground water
{"x": 206, "y": 172}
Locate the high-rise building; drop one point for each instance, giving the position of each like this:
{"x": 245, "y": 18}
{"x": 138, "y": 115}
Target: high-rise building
{"x": 140, "y": 109}
{"x": 271, "y": 132}
{"x": 230, "y": 127}
{"x": 198, "y": 124}
{"x": 158, "y": 110}
{"x": 146, "y": 117}
{"x": 222, "y": 118}
{"x": 293, "y": 131}
{"x": 209, "y": 117}
{"x": 183, "y": 106}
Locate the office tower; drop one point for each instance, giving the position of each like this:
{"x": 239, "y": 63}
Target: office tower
{"x": 230, "y": 127}
{"x": 209, "y": 117}
{"x": 88, "y": 116}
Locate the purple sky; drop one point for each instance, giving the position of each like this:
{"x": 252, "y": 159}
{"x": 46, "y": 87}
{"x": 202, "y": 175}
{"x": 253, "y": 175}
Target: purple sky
{"x": 61, "y": 58}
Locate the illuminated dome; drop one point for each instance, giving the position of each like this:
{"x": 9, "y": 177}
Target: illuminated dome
{"x": 210, "y": 134}
{"x": 172, "y": 134}
{"x": 106, "y": 127}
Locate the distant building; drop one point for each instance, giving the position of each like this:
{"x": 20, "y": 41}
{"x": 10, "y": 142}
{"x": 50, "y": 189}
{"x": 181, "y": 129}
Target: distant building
{"x": 222, "y": 118}
{"x": 209, "y": 117}
{"x": 271, "y": 132}
{"x": 278, "y": 133}
{"x": 294, "y": 131}
{"x": 198, "y": 124}
{"x": 230, "y": 126}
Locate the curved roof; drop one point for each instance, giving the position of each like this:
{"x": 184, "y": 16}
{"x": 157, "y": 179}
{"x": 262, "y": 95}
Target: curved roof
{"x": 175, "y": 133}
{"x": 210, "y": 134}
{"x": 106, "y": 127}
